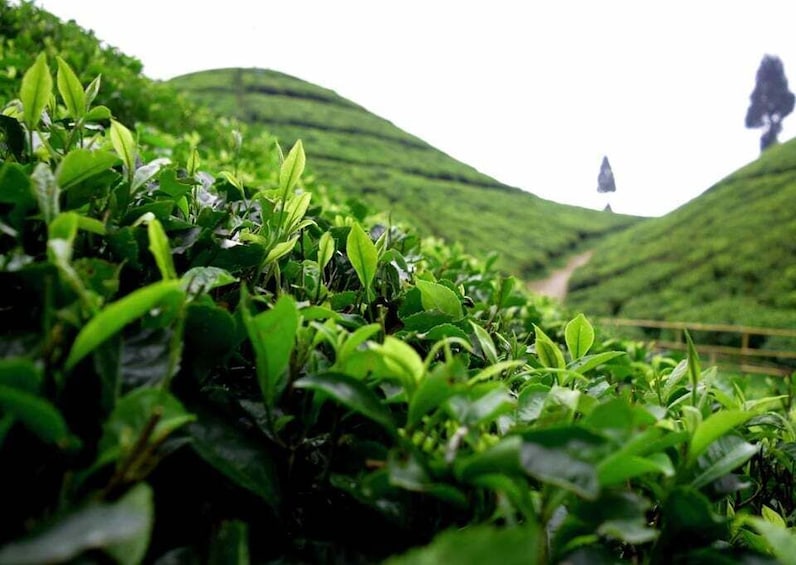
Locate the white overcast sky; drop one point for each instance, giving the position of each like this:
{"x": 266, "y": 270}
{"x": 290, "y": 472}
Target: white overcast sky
{"x": 531, "y": 93}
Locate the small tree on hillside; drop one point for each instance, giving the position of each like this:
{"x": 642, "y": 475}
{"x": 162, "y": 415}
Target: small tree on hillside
{"x": 771, "y": 100}
{"x": 605, "y": 180}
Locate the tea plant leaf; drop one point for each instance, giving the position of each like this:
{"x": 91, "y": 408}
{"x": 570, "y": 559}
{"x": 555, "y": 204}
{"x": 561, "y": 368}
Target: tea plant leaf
{"x": 124, "y": 145}
{"x": 36, "y": 414}
{"x": 439, "y": 297}
{"x": 621, "y": 467}
{"x": 160, "y": 249}
{"x": 430, "y": 394}
{"x": 351, "y": 393}
{"x": 81, "y": 164}
{"x": 230, "y": 544}
{"x": 120, "y": 528}
{"x": 502, "y": 458}
{"x": 585, "y": 364}
{"x": 579, "y": 335}
{"x": 360, "y": 336}
{"x": 519, "y": 545}
{"x": 363, "y": 255}
{"x": 200, "y": 280}
{"x": 281, "y": 249}
{"x": 92, "y": 90}
{"x": 485, "y": 341}
{"x": 548, "y": 352}
{"x": 131, "y": 416}
{"x": 713, "y": 428}
{"x": 723, "y": 456}
{"x": 118, "y": 314}
{"x": 292, "y": 168}
{"x": 237, "y": 456}
{"x": 98, "y": 113}
{"x": 325, "y": 250}
{"x": 781, "y": 540}
{"x": 402, "y": 361}
{"x": 47, "y": 192}
{"x": 273, "y": 337}
{"x": 13, "y": 135}
{"x": 71, "y": 90}
{"x": 37, "y": 86}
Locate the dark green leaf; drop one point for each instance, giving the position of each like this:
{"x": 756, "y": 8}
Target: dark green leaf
{"x": 237, "y": 456}
{"x": 430, "y": 394}
{"x": 230, "y": 544}
{"x": 36, "y": 414}
{"x": 120, "y": 528}
{"x": 722, "y": 456}
{"x": 21, "y": 374}
{"x": 13, "y": 136}
{"x": 352, "y": 394}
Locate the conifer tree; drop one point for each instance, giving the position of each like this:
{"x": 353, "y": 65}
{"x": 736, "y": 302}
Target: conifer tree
{"x": 771, "y": 100}
{"x": 605, "y": 180}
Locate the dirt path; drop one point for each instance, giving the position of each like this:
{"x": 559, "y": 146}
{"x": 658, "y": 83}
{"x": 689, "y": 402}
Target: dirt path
{"x": 555, "y": 285}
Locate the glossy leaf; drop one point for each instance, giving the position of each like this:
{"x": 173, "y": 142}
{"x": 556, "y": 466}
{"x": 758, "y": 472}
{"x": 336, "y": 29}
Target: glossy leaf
{"x": 548, "y": 352}
{"x": 273, "y": 336}
{"x": 37, "y": 86}
{"x": 713, "y": 428}
{"x": 351, "y": 393}
{"x": 723, "y": 456}
{"x": 120, "y": 528}
{"x": 579, "y": 335}
{"x": 36, "y": 414}
{"x": 621, "y": 467}
{"x": 244, "y": 460}
{"x": 326, "y": 249}
{"x": 362, "y": 254}
{"x": 439, "y": 297}
{"x": 118, "y": 314}
{"x": 160, "y": 249}
{"x": 430, "y": 394}
{"x": 200, "y": 280}
{"x": 71, "y": 90}
{"x": 485, "y": 342}
{"x": 124, "y": 145}
{"x": 47, "y": 192}
{"x": 292, "y": 167}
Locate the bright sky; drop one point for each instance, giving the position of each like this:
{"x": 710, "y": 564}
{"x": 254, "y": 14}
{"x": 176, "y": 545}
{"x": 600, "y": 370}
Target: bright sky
{"x": 531, "y": 93}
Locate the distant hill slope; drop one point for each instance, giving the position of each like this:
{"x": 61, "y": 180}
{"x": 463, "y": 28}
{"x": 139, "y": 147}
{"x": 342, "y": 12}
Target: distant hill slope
{"x": 728, "y": 256}
{"x": 390, "y": 169}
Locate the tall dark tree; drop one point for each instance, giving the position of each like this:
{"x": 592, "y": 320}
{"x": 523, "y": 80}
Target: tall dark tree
{"x": 605, "y": 180}
{"x": 771, "y": 100}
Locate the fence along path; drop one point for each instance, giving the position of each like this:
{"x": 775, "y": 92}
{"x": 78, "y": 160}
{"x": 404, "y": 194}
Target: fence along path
{"x": 745, "y": 358}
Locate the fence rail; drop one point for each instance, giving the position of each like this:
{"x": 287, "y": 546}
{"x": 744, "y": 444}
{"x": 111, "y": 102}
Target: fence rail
{"x": 740, "y": 358}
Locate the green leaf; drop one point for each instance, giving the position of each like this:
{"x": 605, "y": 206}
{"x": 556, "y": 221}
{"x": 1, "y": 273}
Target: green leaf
{"x": 325, "y": 249}
{"x": 481, "y": 404}
{"x": 98, "y": 113}
{"x": 548, "y": 352}
{"x": 71, "y": 90}
{"x": 20, "y": 373}
{"x": 362, "y": 253}
{"x": 485, "y": 341}
{"x": 351, "y": 393}
{"x": 230, "y": 544}
{"x": 781, "y": 540}
{"x": 723, "y": 456}
{"x": 82, "y": 164}
{"x": 13, "y": 135}
{"x": 281, "y": 249}
{"x": 132, "y": 415}
{"x": 160, "y": 249}
{"x": 15, "y": 186}
{"x": 37, "y": 86}
{"x": 47, "y": 192}
{"x": 292, "y": 168}
{"x": 435, "y": 296}
{"x": 474, "y": 545}
{"x": 92, "y": 90}
{"x": 199, "y": 280}
{"x": 360, "y": 336}
{"x": 589, "y": 362}
{"x": 124, "y": 145}
{"x": 36, "y": 414}
{"x": 621, "y": 467}
{"x": 244, "y": 460}
{"x": 273, "y": 337}
{"x": 118, "y": 314}
{"x": 502, "y": 458}
{"x": 579, "y": 335}
{"x": 121, "y": 529}
{"x": 430, "y": 394}
{"x": 713, "y": 428}
{"x": 402, "y": 361}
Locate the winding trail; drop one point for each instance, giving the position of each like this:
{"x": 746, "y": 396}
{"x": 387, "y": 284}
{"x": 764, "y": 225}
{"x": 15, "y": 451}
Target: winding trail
{"x": 555, "y": 285}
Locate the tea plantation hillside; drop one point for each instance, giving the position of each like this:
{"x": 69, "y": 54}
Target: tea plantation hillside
{"x": 393, "y": 170}
{"x": 728, "y": 256}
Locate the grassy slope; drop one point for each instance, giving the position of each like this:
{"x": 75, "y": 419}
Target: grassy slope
{"x": 727, "y": 256}
{"x": 393, "y": 170}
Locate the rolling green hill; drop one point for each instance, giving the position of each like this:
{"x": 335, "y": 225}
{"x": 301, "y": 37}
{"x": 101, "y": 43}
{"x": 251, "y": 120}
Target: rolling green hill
{"x": 390, "y": 169}
{"x": 728, "y": 256}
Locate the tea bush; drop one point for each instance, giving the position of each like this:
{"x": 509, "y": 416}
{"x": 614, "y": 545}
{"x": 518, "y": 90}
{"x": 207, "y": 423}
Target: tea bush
{"x": 205, "y": 358}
